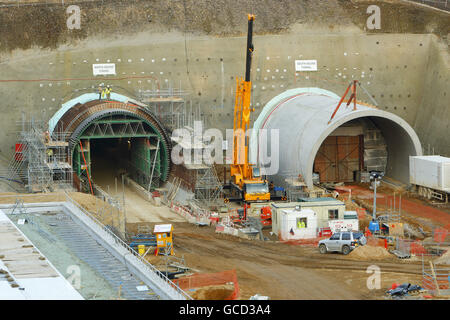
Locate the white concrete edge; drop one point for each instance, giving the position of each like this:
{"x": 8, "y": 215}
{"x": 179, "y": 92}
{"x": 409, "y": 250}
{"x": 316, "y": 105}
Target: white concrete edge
{"x": 341, "y": 118}
{"x": 159, "y": 285}
{"x": 270, "y": 106}
{"x": 348, "y": 116}
{"x": 150, "y": 278}
{"x": 63, "y": 283}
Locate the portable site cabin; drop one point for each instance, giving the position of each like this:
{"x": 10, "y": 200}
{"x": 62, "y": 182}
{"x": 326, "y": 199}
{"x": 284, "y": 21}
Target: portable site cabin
{"x": 164, "y": 236}
{"x": 297, "y": 224}
{"x": 326, "y": 209}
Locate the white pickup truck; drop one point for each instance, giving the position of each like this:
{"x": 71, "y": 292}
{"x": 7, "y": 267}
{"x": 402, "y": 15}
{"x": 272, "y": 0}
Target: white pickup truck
{"x": 343, "y": 242}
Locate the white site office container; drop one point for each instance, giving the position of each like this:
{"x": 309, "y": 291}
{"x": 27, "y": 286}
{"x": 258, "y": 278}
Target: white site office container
{"x": 288, "y": 224}
{"x": 349, "y": 223}
{"x": 430, "y": 171}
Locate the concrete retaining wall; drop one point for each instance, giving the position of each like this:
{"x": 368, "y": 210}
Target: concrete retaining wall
{"x": 407, "y": 74}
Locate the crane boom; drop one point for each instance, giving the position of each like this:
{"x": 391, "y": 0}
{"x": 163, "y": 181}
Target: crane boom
{"x": 253, "y": 188}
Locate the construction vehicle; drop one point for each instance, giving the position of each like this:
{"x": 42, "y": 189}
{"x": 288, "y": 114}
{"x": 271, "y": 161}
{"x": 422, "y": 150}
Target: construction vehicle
{"x": 246, "y": 178}
{"x": 266, "y": 216}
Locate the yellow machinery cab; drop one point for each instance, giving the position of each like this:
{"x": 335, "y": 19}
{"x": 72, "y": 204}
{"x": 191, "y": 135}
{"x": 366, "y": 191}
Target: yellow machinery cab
{"x": 256, "y": 190}
{"x": 164, "y": 238}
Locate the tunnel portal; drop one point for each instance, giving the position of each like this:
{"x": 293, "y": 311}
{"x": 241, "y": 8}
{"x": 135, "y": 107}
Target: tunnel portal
{"x": 110, "y": 138}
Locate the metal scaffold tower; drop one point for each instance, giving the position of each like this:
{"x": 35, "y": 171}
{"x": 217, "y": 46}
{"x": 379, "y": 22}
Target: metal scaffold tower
{"x": 208, "y": 188}
{"x": 203, "y": 179}
{"x": 168, "y": 104}
{"x": 171, "y": 106}
{"x": 41, "y": 162}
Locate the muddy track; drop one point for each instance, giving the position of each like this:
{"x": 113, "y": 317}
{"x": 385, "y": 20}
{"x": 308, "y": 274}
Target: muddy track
{"x": 305, "y": 257}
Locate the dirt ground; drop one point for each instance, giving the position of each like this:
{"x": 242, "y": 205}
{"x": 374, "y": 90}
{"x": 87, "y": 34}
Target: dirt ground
{"x": 415, "y": 210}
{"x": 283, "y": 271}
{"x": 45, "y": 25}
{"x": 137, "y": 209}
{"x": 270, "y": 268}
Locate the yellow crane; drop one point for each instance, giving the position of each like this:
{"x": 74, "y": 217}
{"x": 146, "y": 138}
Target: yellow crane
{"x": 245, "y": 177}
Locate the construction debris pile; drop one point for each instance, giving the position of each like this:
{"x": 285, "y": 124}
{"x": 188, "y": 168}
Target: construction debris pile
{"x": 367, "y": 253}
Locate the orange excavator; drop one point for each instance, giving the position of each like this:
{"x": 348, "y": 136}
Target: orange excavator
{"x": 245, "y": 177}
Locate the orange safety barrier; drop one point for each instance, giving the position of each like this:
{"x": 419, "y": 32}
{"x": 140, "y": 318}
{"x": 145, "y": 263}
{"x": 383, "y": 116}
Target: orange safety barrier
{"x": 361, "y": 213}
{"x": 200, "y": 280}
{"x": 417, "y": 248}
{"x": 303, "y": 242}
{"x": 18, "y": 156}
{"x": 376, "y": 242}
{"x": 214, "y": 220}
{"x": 440, "y": 234}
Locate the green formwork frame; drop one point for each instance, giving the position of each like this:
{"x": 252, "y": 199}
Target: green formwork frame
{"x": 143, "y": 157}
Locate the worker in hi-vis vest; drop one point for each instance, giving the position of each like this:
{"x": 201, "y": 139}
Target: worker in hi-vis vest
{"x": 108, "y": 92}
{"x": 49, "y": 155}
{"x": 100, "y": 92}
{"x": 301, "y": 225}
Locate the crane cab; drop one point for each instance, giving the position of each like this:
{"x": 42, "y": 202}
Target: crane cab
{"x": 256, "y": 190}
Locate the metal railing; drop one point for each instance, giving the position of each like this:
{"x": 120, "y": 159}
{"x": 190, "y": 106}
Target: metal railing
{"x": 435, "y": 278}
{"x": 417, "y": 247}
{"x": 162, "y": 279}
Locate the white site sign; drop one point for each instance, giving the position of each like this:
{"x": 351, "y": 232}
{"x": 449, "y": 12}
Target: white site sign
{"x": 104, "y": 69}
{"x": 305, "y": 65}
{"x": 343, "y": 225}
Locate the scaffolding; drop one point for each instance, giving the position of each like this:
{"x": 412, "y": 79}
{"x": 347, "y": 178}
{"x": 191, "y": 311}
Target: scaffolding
{"x": 168, "y": 104}
{"x": 171, "y": 106}
{"x": 208, "y": 189}
{"x": 296, "y": 187}
{"x": 393, "y": 209}
{"x": 41, "y": 162}
{"x": 205, "y": 184}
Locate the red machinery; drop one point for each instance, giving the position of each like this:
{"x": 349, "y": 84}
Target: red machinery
{"x": 266, "y": 216}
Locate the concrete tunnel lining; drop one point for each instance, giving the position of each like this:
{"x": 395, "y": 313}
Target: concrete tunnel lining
{"x": 76, "y": 117}
{"x": 302, "y": 116}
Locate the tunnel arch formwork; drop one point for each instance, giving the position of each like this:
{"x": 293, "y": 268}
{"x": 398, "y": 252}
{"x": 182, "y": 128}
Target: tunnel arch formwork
{"x": 302, "y": 117}
{"x": 110, "y": 119}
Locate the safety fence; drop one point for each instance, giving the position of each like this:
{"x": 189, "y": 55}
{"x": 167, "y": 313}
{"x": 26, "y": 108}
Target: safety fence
{"x": 202, "y": 217}
{"x": 440, "y": 234}
{"x": 314, "y": 242}
{"x": 411, "y": 247}
{"x": 436, "y": 278}
{"x": 377, "y": 242}
{"x": 201, "y": 280}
